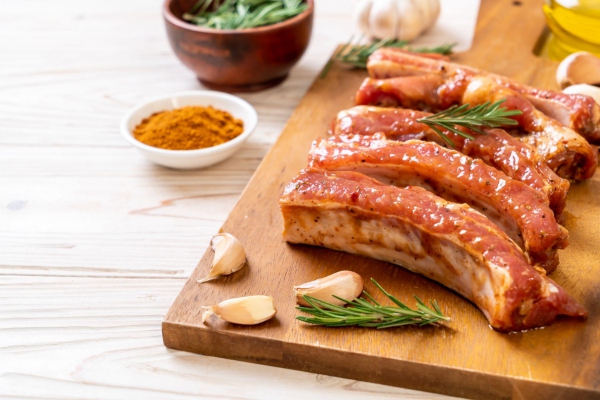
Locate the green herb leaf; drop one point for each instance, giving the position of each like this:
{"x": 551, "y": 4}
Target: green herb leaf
{"x": 482, "y": 116}
{"x": 242, "y": 14}
{"x": 358, "y": 54}
{"x": 361, "y": 312}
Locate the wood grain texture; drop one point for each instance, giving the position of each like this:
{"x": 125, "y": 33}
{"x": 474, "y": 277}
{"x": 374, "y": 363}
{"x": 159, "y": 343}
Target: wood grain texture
{"x": 98, "y": 338}
{"x": 96, "y": 242}
{"x": 466, "y": 358}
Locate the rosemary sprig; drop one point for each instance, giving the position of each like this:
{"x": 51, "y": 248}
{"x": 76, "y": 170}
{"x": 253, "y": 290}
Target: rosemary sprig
{"x": 443, "y": 49}
{"x": 357, "y": 54}
{"x": 242, "y": 14}
{"x": 371, "y": 314}
{"x": 482, "y": 116}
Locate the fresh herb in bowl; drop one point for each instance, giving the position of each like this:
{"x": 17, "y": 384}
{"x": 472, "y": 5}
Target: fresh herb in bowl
{"x": 242, "y": 14}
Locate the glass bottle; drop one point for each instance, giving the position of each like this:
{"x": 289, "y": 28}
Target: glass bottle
{"x": 575, "y": 26}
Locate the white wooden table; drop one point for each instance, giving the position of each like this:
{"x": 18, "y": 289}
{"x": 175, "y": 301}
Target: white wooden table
{"x": 96, "y": 242}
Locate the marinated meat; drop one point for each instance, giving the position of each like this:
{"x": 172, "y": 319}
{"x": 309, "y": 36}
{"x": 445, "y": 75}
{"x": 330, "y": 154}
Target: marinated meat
{"x": 520, "y": 211}
{"x": 496, "y": 148}
{"x": 447, "y": 242}
{"x": 565, "y": 151}
{"x": 578, "y": 112}
{"x": 414, "y": 92}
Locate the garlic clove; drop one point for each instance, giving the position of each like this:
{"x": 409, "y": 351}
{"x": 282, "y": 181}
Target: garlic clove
{"x": 250, "y": 310}
{"x": 395, "y": 19}
{"x": 431, "y": 12}
{"x": 426, "y": 13}
{"x": 588, "y": 90}
{"x": 580, "y": 67}
{"x": 229, "y": 256}
{"x": 383, "y": 19}
{"x": 361, "y": 13}
{"x": 345, "y": 284}
{"x": 410, "y": 20}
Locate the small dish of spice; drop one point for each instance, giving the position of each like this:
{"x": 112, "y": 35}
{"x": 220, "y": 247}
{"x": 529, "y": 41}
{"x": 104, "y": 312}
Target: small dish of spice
{"x": 190, "y": 130}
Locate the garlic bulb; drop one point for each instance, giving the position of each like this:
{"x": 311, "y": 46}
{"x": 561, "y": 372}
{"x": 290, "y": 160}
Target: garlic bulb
{"x": 345, "y": 284}
{"x": 588, "y": 90}
{"x": 580, "y": 67}
{"x": 229, "y": 256}
{"x": 398, "y": 19}
{"x": 249, "y": 310}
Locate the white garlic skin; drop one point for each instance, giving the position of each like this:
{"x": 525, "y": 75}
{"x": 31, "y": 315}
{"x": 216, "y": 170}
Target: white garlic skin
{"x": 345, "y": 284}
{"x": 250, "y": 310}
{"x": 383, "y": 19}
{"x": 578, "y": 68}
{"x": 395, "y": 19}
{"x": 229, "y": 256}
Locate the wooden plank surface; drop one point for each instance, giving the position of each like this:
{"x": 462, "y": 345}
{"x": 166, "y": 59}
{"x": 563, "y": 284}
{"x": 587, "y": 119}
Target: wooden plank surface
{"x": 95, "y": 241}
{"x": 465, "y": 359}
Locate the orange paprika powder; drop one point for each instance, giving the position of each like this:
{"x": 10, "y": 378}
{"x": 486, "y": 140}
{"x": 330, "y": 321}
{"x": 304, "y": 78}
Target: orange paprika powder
{"x": 188, "y": 128}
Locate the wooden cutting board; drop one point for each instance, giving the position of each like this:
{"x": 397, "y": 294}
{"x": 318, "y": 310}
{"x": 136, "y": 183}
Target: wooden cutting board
{"x": 466, "y": 358}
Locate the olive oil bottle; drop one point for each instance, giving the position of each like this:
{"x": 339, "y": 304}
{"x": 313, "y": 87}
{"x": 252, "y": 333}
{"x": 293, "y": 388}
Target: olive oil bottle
{"x": 575, "y": 26}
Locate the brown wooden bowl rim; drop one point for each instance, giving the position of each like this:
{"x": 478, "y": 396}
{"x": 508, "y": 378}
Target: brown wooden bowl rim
{"x": 170, "y": 17}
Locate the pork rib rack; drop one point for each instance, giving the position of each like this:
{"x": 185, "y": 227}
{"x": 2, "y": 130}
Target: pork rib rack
{"x": 578, "y": 112}
{"x": 520, "y": 211}
{"x": 450, "y": 243}
{"x": 496, "y": 148}
{"x": 564, "y": 150}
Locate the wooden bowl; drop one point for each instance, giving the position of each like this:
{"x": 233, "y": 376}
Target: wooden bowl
{"x": 244, "y": 60}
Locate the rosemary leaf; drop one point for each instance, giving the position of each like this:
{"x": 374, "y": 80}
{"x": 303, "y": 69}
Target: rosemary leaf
{"x": 481, "y": 116}
{"x": 361, "y": 312}
{"x": 444, "y": 49}
{"x": 358, "y": 54}
{"x": 371, "y": 298}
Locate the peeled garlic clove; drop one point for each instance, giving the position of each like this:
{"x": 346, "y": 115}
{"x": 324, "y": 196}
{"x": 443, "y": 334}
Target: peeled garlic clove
{"x": 580, "y": 67}
{"x": 249, "y": 310}
{"x": 229, "y": 256}
{"x": 588, "y": 90}
{"x": 345, "y": 284}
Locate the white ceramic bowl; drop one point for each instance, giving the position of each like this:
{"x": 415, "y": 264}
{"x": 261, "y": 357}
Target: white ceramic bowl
{"x": 190, "y": 159}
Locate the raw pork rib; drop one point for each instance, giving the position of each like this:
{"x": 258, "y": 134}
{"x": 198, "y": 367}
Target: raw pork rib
{"x": 565, "y": 151}
{"x": 579, "y": 112}
{"x": 450, "y": 243}
{"x": 496, "y": 148}
{"x": 520, "y": 211}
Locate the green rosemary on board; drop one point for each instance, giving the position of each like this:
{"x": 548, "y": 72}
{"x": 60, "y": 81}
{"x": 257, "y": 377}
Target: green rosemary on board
{"x": 482, "y": 116}
{"x": 242, "y": 14}
{"x": 357, "y": 54}
{"x": 371, "y": 314}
